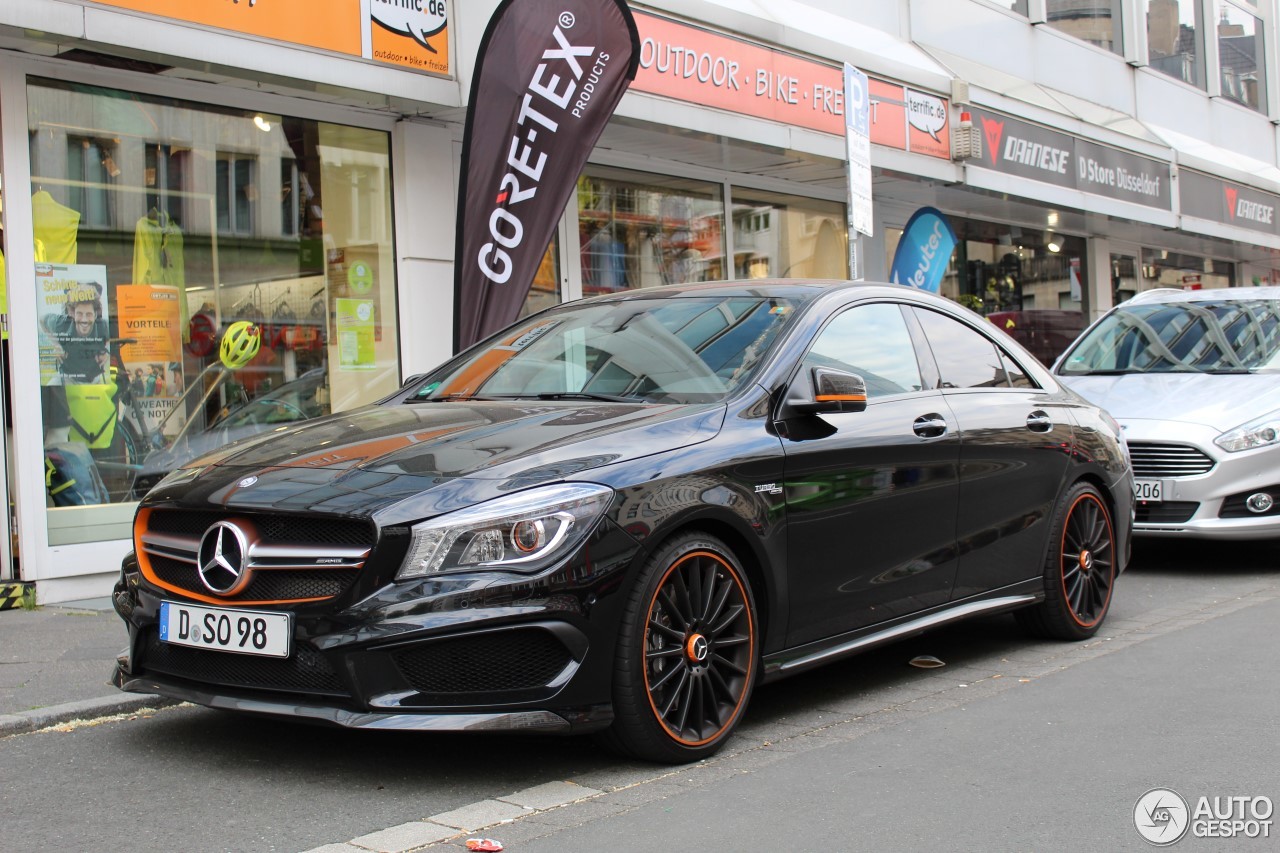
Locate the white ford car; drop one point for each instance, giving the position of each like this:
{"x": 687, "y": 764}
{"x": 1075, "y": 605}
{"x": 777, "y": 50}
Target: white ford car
{"x": 1193, "y": 377}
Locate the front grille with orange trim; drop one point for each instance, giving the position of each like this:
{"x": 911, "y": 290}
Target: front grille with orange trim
{"x": 292, "y": 560}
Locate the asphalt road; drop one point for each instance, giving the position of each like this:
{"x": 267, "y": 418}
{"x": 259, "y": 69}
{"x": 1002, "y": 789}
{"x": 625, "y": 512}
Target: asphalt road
{"x": 1014, "y": 745}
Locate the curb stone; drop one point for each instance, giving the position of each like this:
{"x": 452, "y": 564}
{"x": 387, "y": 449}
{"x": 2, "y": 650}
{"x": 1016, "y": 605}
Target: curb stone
{"x": 85, "y": 709}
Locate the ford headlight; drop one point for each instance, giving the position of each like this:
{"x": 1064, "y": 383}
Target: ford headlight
{"x": 522, "y": 532}
{"x": 1261, "y": 432}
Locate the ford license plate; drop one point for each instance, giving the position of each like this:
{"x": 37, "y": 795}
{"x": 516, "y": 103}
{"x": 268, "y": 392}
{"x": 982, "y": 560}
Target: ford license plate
{"x": 1150, "y": 491}
{"x": 224, "y": 629}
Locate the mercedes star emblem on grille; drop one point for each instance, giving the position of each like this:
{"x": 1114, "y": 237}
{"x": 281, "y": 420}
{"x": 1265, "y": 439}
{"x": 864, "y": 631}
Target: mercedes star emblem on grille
{"x": 224, "y": 558}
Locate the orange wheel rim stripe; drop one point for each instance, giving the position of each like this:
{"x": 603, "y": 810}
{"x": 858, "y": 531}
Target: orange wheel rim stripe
{"x": 1062, "y": 575}
{"x": 751, "y": 656}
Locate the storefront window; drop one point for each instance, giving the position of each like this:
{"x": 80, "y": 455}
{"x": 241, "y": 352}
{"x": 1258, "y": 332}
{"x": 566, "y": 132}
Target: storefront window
{"x": 788, "y": 237}
{"x": 1019, "y": 6}
{"x": 1094, "y": 21}
{"x": 545, "y": 290}
{"x": 1173, "y": 39}
{"x": 1260, "y": 275}
{"x": 1163, "y": 268}
{"x": 1029, "y": 282}
{"x": 1240, "y": 56}
{"x": 203, "y": 274}
{"x": 662, "y": 230}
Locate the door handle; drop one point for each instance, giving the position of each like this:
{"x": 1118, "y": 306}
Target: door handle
{"x": 931, "y": 425}
{"x": 1039, "y": 421}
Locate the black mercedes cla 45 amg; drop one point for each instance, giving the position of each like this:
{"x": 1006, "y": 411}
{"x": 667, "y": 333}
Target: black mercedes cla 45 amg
{"x": 621, "y": 514}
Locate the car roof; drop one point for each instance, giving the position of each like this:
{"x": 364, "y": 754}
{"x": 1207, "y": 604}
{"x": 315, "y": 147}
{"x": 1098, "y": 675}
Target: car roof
{"x": 1216, "y": 294}
{"x": 800, "y": 290}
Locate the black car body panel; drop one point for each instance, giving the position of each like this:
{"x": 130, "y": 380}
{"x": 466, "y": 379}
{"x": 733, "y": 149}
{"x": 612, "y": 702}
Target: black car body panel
{"x": 851, "y": 527}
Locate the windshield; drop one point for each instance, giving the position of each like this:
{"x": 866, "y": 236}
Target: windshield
{"x": 675, "y": 350}
{"x": 1227, "y": 336}
{"x": 293, "y": 401}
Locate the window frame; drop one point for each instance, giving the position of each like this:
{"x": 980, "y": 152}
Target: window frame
{"x": 85, "y": 194}
{"x": 926, "y": 369}
{"x": 1002, "y": 355}
{"x": 1120, "y": 30}
{"x": 233, "y": 159}
{"x": 1200, "y": 60}
{"x": 1264, "y": 39}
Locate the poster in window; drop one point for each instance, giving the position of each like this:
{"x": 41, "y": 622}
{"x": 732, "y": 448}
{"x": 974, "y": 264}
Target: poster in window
{"x": 354, "y": 325}
{"x": 73, "y": 311}
{"x": 150, "y": 316}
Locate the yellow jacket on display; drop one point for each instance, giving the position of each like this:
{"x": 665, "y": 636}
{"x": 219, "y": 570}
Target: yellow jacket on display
{"x": 157, "y": 259}
{"x": 56, "y": 227}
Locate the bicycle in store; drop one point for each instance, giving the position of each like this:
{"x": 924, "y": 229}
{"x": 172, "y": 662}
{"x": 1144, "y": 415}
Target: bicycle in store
{"x": 111, "y": 420}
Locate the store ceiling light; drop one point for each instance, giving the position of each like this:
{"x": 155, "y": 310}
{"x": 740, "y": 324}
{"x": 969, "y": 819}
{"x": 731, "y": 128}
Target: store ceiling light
{"x": 262, "y": 123}
{"x": 1052, "y": 242}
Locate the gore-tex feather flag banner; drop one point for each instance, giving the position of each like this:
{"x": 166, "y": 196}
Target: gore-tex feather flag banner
{"x": 548, "y": 76}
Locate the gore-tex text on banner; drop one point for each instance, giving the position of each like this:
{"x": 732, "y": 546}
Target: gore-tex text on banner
{"x": 548, "y": 76}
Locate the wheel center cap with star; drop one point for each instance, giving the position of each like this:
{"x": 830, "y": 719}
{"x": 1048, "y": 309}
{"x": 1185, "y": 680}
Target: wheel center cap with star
{"x": 697, "y": 648}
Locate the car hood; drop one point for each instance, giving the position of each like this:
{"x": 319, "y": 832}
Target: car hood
{"x": 1221, "y": 402}
{"x": 364, "y": 461}
{"x": 193, "y": 446}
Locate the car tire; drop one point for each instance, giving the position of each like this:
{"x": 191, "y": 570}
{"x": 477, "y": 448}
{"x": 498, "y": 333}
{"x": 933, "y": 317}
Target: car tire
{"x": 687, "y": 654}
{"x": 1080, "y": 568}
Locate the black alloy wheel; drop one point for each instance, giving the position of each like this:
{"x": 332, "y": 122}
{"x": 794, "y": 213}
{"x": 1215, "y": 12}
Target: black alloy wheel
{"x": 1080, "y": 570}
{"x": 687, "y": 656}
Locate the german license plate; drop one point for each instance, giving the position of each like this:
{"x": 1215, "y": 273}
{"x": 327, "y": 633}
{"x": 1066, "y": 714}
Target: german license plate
{"x": 224, "y": 629}
{"x": 1151, "y": 491}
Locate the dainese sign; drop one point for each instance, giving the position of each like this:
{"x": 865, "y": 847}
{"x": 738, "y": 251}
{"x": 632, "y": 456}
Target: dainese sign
{"x": 1027, "y": 150}
{"x": 1228, "y": 203}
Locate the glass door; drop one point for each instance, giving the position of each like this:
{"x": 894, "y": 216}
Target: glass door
{"x": 1126, "y": 276}
{"x": 7, "y": 572}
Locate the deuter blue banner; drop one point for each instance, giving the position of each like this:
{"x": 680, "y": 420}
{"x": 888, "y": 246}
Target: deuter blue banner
{"x": 924, "y": 251}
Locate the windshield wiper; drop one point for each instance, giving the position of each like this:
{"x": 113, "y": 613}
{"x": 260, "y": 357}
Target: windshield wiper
{"x": 1110, "y": 372}
{"x": 450, "y": 398}
{"x": 1228, "y": 371}
{"x": 586, "y": 395}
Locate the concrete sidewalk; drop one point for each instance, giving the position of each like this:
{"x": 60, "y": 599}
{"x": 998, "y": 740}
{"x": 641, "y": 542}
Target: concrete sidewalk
{"x": 55, "y": 662}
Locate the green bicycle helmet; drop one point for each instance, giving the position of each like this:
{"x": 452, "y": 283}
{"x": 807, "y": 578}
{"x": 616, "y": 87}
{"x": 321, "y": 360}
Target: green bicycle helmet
{"x": 239, "y": 344}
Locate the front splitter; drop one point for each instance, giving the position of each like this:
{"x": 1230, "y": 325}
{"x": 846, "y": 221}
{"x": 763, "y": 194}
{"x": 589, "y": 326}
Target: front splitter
{"x": 538, "y": 721}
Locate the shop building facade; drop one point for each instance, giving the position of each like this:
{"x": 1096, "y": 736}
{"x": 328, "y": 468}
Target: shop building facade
{"x": 165, "y": 179}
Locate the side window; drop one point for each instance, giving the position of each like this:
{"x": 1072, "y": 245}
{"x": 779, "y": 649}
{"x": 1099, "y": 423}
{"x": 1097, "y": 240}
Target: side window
{"x": 965, "y": 358}
{"x": 1018, "y": 377}
{"x": 871, "y": 341}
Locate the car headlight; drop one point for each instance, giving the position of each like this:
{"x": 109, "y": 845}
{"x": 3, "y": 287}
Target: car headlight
{"x": 1256, "y": 433}
{"x": 522, "y": 532}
